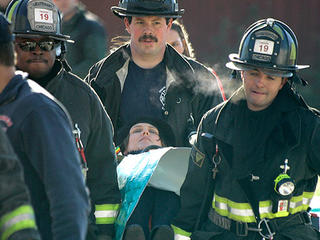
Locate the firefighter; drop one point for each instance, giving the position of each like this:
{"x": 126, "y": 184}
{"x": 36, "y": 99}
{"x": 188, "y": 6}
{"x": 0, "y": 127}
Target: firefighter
{"x": 40, "y": 48}
{"x": 256, "y": 156}
{"x": 147, "y": 77}
{"x": 16, "y": 214}
{"x": 40, "y": 133}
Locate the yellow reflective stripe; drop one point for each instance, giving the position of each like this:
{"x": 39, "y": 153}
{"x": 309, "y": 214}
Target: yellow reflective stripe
{"x": 18, "y": 219}
{"x": 9, "y": 17}
{"x": 180, "y": 234}
{"x": 106, "y": 213}
{"x": 244, "y": 213}
{"x": 103, "y": 207}
{"x": 233, "y": 210}
{"x": 308, "y": 194}
{"x": 265, "y": 210}
{"x": 305, "y": 198}
{"x": 279, "y": 31}
{"x": 300, "y": 203}
{"x": 297, "y": 204}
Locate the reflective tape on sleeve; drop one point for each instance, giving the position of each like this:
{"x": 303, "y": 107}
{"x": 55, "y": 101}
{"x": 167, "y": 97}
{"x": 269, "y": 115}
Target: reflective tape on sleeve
{"x": 180, "y": 234}
{"x": 18, "y": 219}
{"x": 181, "y": 237}
{"x": 106, "y": 213}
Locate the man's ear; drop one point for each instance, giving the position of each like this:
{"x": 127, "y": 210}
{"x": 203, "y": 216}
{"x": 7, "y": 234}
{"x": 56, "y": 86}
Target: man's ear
{"x": 127, "y": 24}
{"x": 170, "y": 23}
{"x": 242, "y": 74}
{"x": 283, "y": 82}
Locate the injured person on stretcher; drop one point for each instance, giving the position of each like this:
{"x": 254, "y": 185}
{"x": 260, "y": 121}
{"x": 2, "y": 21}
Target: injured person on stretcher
{"x": 150, "y": 176}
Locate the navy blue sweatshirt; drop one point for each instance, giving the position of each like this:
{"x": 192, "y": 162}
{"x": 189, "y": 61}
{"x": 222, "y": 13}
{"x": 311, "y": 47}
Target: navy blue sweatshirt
{"x": 40, "y": 132}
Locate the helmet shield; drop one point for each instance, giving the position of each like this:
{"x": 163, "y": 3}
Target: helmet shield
{"x": 165, "y": 8}
{"x": 32, "y": 18}
{"x": 269, "y": 45}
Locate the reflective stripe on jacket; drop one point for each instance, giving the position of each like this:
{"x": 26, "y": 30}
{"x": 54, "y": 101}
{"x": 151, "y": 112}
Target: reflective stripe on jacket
{"x": 294, "y": 136}
{"x": 106, "y": 213}
{"x": 243, "y": 212}
{"x": 17, "y": 220}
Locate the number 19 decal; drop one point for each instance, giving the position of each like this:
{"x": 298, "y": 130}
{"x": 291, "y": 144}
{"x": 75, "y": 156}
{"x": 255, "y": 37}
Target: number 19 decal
{"x": 43, "y": 15}
{"x": 263, "y": 46}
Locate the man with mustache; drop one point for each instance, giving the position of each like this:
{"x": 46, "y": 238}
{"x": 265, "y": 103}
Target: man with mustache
{"x": 40, "y": 48}
{"x": 147, "y": 77}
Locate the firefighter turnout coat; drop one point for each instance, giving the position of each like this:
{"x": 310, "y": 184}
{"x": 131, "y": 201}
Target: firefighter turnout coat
{"x": 242, "y": 193}
{"x": 191, "y": 89}
{"x": 88, "y": 114}
{"x": 16, "y": 213}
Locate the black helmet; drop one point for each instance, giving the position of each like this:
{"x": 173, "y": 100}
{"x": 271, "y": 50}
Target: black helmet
{"x": 164, "y": 8}
{"x": 5, "y": 30}
{"x": 268, "y": 44}
{"x": 30, "y": 18}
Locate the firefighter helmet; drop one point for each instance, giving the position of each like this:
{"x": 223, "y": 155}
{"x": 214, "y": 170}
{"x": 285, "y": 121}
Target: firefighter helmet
{"x": 268, "y": 44}
{"x": 31, "y": 18}
{"x": 164, "y": 8}
{"x": 5, "y": 30}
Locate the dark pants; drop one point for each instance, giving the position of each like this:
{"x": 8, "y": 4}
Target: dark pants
{"x": 157, "y": 206}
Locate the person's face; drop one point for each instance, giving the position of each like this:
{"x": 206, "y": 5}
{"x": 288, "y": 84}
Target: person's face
{"x": 65, "y": 6}
{"x": 260, "y": 89}
{"x": 37, "y": 62}
{"x": 142, "y": 135}
{"x": 148, "y": 34}
{"x": 175, "y": 41}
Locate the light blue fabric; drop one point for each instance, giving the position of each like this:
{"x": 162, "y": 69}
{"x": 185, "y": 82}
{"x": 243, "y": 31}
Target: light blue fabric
{"x": 134, "y": 173}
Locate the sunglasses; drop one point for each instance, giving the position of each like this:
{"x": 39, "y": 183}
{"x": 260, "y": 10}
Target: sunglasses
{"x": 31, "y": 46}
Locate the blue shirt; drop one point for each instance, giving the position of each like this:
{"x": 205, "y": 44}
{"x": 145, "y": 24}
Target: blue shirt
{"x": 143, "y": 93}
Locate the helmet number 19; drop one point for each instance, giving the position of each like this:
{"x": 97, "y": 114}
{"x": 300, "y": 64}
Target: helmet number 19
{"x": 263, "y": 46}
{"x": 43, "y": 15}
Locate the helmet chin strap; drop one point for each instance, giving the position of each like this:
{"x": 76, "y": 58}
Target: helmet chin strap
{"x": 61, "y": 53}
{"x": 297, "y": 79}
{"x": 233, "y": 74}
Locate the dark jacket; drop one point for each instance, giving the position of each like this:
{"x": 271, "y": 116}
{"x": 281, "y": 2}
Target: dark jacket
{"x": 294, "y": 136}
{"x": 87, "y": 112}
{"x": 14, "y": 200}
{"x": 40, "y": 132}
{"x": 90, "y": 38}
{"x": 191, "y": 89}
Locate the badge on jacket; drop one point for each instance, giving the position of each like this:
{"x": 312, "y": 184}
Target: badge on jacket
{"x": 197, "y": 156}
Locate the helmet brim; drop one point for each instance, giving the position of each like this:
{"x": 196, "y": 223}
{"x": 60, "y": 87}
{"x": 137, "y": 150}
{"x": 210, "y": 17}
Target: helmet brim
{"x": 121, "y": 12}
{"x": 240, "y": 65}
{"x": 64, "y": 38}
